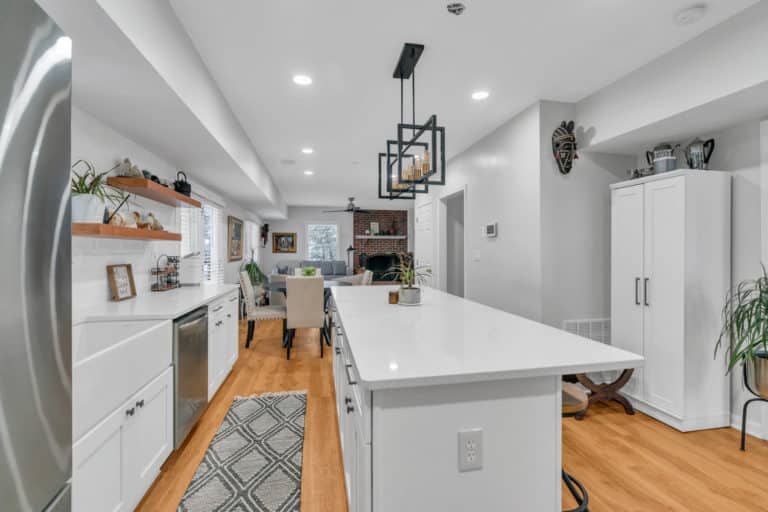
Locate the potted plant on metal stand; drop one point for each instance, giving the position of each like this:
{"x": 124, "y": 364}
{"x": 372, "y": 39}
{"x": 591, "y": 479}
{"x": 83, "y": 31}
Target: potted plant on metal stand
{"x": 409, "y": 276}
{"x": 745, "y": 337}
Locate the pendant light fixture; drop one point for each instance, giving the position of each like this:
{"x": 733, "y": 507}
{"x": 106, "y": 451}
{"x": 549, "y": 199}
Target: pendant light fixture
{"x": 416, "y": 159}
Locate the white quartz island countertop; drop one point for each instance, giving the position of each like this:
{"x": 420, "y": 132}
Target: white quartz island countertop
{"x": 448, "y": 339}
{"x": 158, "y": 305}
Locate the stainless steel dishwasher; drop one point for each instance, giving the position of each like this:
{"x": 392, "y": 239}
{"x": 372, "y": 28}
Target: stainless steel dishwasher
{"x": 190, "y": 371}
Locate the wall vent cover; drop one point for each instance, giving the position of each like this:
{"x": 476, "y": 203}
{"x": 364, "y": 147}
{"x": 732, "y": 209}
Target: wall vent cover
{"x": 597, "y": 329}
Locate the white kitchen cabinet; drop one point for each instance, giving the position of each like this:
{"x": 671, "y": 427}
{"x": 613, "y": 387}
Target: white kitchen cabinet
{"x": 670, "y": 271}
{"x": 222, "y": 341}
{"x": 115, "y": 463}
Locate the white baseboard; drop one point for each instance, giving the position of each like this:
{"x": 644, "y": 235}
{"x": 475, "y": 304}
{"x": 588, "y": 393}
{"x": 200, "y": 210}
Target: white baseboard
{"x": 754, "y": 428}
{"x": 685, "y": 425}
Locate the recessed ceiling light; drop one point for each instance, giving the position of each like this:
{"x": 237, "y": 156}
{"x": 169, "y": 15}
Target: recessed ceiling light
{"x": 302, "y": 80}
{"x": 480, "y": 95}
{"x": 309, "y": 172}
{"x": 307, "y": 151}
{"x": 690, "y": 14}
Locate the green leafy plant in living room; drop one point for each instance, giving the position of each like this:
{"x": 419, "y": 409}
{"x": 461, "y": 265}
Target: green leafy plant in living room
{"x": 254, "y": 271}
{"x": 308, "y": 271}
{"x": 745, "y": 332}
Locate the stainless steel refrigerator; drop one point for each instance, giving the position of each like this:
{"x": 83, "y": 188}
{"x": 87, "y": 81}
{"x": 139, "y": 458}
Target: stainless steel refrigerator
{"x": 35, "y": 261}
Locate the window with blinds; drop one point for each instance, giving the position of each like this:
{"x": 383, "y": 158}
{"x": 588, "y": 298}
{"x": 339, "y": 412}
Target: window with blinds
{"x": 322, "y": 241}
{"x": 191, "y": 226}
{"x": 213, "y": 243}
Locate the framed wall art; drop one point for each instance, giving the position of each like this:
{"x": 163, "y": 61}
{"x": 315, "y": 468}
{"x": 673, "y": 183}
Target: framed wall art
{"x": 234, "y": 238}
{"x": 284, "y": 242}
{"x": 121, "y": 283}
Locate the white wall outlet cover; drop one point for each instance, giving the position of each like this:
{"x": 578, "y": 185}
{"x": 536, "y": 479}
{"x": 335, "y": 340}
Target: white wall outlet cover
{"x": 470, "y": 449}
{"x": 475, "y": 255}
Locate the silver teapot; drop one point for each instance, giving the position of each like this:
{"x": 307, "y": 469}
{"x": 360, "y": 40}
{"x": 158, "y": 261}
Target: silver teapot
{"x": 698, "y": 153}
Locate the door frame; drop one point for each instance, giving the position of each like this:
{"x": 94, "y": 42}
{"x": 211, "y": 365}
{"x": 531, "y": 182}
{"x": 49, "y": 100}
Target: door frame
{"x": 441, "y": 261}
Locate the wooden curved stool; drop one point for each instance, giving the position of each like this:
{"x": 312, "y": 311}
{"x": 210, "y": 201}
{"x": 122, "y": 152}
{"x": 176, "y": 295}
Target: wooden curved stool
{"x": 575, "y": 402}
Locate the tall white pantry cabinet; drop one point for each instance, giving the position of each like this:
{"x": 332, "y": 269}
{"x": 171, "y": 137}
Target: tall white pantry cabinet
{"x": 670, "y": 273}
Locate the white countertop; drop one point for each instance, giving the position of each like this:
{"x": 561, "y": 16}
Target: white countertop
{"x": 449, "y": 339}
{"x": 159, "y": 305}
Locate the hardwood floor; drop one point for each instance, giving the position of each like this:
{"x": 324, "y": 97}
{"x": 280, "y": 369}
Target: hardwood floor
{"x": 627, "y": 463}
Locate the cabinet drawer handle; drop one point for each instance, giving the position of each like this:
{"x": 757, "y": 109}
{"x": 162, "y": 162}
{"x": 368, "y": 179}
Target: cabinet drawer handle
{"x": 349, "y": 376}
{"x": 350, "y": 408}
{"x": 645, "y": 291}
{"x": 233, "y": 299}
{"x": 140, "y": 404}
{"x": 131, "y": 411}
{"x": 229, "y": 315}
{"x": 218, "y": 309}
{"x": 637, "y": 291}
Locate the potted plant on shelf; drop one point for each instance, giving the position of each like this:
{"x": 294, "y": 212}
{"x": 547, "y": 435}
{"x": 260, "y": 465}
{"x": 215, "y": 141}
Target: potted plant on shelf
{"x": 254, "y": 271}
{"x": 90, "y": 194}
{"x": 745, "y": 332}
{"x": 409, "y": 276}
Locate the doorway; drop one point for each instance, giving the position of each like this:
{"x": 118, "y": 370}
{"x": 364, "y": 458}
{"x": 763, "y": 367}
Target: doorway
{"x": 453, "y": 253}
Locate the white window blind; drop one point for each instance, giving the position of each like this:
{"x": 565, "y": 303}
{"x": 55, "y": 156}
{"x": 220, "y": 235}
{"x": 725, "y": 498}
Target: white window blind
{"x": 213, "y": 246}
{"x": 191, "y": 226}
{"x": 322, "y": 241}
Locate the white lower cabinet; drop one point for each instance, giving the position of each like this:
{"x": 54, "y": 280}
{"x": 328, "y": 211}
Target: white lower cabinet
{"x": 115, "y": 463}
{"x": 222, "y": 341}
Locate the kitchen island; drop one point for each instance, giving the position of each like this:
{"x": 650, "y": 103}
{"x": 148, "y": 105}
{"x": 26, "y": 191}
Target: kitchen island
{"x": 409, "y": 380}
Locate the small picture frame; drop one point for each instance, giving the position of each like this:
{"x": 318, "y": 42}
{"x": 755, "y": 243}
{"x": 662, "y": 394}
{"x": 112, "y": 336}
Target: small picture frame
{"x": 234, "y": 238}
{"x": 121, "y": 282}
{"x": 374, "y": 228}
{"x": 283, "y": 242}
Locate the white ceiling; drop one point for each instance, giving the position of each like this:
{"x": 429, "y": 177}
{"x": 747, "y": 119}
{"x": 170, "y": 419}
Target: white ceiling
{"x": 521, "y": 51}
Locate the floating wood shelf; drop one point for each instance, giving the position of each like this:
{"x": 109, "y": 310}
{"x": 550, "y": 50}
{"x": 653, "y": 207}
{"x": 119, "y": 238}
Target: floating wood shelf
{"x": 381, "y": 237}
{"x": 108, "y": 231}
{"x": 151, "y": 190}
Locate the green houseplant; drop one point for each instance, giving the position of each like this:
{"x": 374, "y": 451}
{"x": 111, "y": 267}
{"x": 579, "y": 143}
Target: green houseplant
{"x": 90, "y": 193}
{"x": 308, "y": 271}
{"x": 745, "y": 331}
{"x": 409, "y": 276}
{"x": 254, "y": 271}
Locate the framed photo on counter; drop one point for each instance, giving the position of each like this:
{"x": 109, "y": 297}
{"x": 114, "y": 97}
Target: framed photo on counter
{"x": 121, "y": 283}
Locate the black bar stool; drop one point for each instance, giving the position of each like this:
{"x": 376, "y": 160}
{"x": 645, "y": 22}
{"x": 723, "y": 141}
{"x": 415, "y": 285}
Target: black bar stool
{"x": 575, "y": 402}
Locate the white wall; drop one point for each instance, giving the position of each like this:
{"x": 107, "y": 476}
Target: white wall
{"x": 98, "y": 143}
{"x": 297, "y": 219}
{"x": 501, "y": 176}
{"x": 575, "y": 226}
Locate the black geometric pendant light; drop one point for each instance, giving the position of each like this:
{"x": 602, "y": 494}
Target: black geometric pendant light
{"x": 416, "y": 159}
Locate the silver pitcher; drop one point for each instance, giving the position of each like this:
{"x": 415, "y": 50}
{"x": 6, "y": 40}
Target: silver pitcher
{"x": 757, "y": 375}
{"x": 698, "y": 153}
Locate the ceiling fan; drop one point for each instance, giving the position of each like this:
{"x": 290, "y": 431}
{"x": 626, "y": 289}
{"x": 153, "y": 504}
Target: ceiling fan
{"x": 351, "y": 208}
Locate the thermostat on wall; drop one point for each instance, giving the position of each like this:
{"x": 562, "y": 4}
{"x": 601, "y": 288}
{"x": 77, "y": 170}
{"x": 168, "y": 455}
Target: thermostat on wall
{"x": 491, "y": 230}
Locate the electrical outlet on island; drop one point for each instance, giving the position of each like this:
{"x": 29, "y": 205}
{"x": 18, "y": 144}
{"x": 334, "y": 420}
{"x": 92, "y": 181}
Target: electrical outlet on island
{"x": 470, "y": 450}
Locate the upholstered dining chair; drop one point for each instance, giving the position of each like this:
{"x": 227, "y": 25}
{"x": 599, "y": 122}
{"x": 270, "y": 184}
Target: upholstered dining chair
{"x": 306, "y": 296}
{"x": 256, "y": 312}
{"x": 367, "y": 278}
{"x": 354, "y": 280}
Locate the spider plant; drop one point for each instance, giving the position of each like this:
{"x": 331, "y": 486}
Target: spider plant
{"x": 745, "y": 322}
{"x": 254, "y": 271}
{"x": 91, "y": 182}
{"x": 407, "y": 273}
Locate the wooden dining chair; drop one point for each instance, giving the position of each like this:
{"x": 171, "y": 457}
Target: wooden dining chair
{"x": 305, "y": 297}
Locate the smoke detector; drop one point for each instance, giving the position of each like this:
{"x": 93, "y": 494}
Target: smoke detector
{"x": 456, "y": 8}
{"x": 690, "y": 15}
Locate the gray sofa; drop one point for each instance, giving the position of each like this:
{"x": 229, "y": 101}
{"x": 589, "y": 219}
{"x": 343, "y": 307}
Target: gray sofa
{"x": 335, "y": 268}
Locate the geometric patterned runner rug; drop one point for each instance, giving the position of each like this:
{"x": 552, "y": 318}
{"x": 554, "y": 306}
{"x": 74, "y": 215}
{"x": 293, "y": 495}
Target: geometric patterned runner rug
{"x": 253, "y": 463}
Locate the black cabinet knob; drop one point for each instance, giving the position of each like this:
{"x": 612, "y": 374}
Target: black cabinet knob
{"x": 131, "y": 411}
{"x": 347, "y": 400}
{"x": 350, "y": 409}
{"x": 140, "y": 404}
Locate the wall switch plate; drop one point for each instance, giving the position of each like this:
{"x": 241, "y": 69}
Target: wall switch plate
{"x": 470, "y": 449}
{"x": 475, "y": 255}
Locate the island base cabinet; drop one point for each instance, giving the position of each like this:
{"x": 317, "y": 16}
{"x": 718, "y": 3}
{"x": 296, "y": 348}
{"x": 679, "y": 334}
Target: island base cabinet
{"x": 115, "y": 463}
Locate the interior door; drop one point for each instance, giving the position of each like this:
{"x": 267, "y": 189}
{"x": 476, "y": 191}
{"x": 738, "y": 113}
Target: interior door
{"x": 663, "y": 297}
{"x": 627, "y": 276}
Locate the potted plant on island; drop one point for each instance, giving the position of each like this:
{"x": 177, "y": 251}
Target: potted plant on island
{"x": 409, "y": 276}
{"x": 90, "y": 194}
{"x": 745, "y": 332}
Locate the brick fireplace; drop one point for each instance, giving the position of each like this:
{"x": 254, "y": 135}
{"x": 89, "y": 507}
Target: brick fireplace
{"x": 378, "y": 252}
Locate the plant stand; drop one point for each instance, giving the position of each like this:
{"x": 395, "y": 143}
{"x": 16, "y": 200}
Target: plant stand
{"x": 746, "y": 406}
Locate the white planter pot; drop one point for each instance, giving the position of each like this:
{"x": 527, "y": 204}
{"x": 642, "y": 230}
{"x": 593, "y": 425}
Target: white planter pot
{"x": 87, "y": 208}
{"x": 410, "y": 296}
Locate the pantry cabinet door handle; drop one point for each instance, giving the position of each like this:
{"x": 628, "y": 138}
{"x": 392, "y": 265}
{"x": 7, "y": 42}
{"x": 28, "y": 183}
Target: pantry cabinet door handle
{"x": 645, "y": 291}
{"x": 349, "y": 376}
{"x": 218, "y": 309}
{"x": 637, "y": 291}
